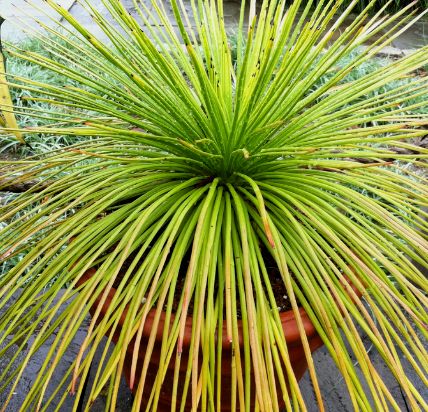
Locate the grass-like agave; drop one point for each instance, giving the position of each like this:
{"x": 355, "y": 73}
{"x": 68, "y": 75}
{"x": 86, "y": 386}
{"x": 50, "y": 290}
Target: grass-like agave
{"x": 390, "y": 5}
{"x": 204, "y": 170}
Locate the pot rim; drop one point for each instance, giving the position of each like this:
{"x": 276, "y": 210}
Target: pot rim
{"x": 288, "y": 320}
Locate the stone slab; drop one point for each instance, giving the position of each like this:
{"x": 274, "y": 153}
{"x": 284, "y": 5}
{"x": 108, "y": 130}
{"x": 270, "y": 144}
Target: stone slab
{"x": 414, "y": 37}
{"x": 33, "y": 368}
{"x": 22, "y": 15}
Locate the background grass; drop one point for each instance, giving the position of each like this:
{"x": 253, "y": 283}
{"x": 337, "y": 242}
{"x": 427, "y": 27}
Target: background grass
{"x": 27, "y": 104}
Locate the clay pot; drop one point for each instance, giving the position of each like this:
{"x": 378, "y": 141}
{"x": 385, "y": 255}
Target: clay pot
{"x": 289, "y": 323}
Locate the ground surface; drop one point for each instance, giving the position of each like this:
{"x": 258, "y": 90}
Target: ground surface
{"x": 21, "y": 16}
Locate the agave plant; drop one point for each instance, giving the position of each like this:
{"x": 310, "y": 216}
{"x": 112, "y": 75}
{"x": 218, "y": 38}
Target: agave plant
{"x": 194, "y": 176}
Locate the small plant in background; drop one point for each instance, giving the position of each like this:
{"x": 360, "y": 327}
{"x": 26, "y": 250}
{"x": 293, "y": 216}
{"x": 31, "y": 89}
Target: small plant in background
{"x": 7, "y": 116}
{"x": 33, "y": 109}
{"x": 199, "y": 187}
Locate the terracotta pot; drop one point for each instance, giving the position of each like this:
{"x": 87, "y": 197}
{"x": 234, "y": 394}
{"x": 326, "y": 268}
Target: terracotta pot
{"x": 291, "y": 332}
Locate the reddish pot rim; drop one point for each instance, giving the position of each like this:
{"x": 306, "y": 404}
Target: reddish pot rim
{"x": 288, "y": 320}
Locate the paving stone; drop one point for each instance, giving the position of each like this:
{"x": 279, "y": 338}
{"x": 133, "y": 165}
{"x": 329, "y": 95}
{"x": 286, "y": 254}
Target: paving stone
{"x": 22, "y": 15}
{"x": 333, "y": 388}
{"x": 36, "y": 362}
{"x": 415, "y": 37}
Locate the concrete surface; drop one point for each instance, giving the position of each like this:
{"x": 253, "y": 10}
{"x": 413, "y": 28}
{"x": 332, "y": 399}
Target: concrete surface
{"x": 22, "y": 16}
{"x": 125, "y": 397}
{"x": 332, "y": 386}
